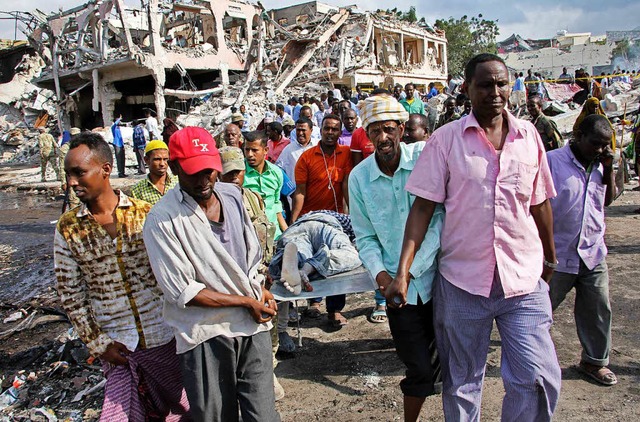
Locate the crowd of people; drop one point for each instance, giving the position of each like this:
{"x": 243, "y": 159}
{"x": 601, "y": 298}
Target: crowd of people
{"x": 486, "y": 218}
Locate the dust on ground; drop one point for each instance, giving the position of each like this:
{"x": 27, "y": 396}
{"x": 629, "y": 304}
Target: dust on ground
{"x": 351, "y": 374}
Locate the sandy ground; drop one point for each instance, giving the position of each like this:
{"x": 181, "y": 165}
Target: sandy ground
{"x": 351, "y": 374}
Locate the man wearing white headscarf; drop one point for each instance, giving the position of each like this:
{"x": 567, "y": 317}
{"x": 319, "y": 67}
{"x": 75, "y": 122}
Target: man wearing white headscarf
{"x": 379, "y": 208}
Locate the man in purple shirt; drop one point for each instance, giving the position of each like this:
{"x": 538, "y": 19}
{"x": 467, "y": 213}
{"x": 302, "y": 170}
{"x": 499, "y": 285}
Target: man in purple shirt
{"x": 349, "y": 120}
{"x": 583, "y": 175}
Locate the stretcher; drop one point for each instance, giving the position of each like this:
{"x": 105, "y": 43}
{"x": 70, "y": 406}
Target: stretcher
{"x": 354, "y": 281}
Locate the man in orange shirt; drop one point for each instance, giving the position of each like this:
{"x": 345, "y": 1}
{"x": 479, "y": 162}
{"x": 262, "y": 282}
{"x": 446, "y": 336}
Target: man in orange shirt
{"x": 321, "y": 174}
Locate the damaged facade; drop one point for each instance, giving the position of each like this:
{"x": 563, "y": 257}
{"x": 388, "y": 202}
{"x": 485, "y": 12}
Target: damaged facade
{"x": 104, "y": 59}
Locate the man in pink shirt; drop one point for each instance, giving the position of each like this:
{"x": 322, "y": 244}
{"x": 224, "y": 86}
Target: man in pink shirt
{"x": 497, "y": 254}
{"x": 276, "y": 142}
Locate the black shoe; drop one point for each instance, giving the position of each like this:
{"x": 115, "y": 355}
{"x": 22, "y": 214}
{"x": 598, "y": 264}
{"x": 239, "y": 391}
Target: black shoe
{"x": 123, "y": 175}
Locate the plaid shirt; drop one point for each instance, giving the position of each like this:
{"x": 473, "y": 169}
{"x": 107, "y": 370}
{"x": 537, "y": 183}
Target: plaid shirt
{"x": 147, "y": 191}
{"x": 106, "y": 285}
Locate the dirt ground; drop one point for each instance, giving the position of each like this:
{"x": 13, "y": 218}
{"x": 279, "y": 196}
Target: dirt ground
{"x": 348, "y": 375}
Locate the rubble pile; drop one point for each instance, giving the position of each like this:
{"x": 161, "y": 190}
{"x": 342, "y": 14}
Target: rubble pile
{"x": 23, "y": 106}
{"x": 54, "y": 380}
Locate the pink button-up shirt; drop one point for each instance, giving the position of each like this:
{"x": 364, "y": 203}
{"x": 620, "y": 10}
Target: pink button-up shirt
{"x": 486, "y": 195}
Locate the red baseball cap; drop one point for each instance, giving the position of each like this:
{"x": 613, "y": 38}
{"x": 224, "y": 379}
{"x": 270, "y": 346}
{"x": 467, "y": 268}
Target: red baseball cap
{"x": 195, "y": 150}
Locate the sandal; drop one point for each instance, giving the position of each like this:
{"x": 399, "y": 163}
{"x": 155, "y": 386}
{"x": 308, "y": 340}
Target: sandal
{"x": 337, "y": 320}
{"x": 313, "y": 311}
{"x": 378, "y": 316}
{"x": 600, "y": 374}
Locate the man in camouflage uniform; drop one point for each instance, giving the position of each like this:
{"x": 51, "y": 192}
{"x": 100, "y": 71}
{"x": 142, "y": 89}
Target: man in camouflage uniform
{"x": 233, "y": 171}
{"x": 48, "y": 148}
{"x": 547, "y": 129}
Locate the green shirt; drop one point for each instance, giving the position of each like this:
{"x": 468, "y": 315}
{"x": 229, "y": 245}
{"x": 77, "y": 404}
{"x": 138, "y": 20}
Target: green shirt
{"x": 417, "y": 106}
{"x": 268, "y": 185}
{"x": 147, "y": 191}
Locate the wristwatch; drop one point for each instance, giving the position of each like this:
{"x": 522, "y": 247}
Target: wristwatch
{"x": 552, "y": 265}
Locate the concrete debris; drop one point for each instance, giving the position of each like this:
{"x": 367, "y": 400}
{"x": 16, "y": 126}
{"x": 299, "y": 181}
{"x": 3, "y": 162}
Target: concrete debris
{"x": 195, "y": 62}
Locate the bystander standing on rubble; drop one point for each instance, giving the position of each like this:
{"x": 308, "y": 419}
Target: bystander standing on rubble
{"x": 412, "y": 103}
{"x": 321, "y": 176}
{"x": 492, "y": 269}
{"x": 379, "y": 210}
{"x": 295, "y": 108}
{"x": 48, "y": 153}
{"x": 584, "y": 178}
{"x": 109, "y": 293}
{"x": 416, "y": 129}
{"x": 319, "y": 115}
{"x": 168, "y": 129}
{"x": 118, "y": 146}
{"x": 206, "y": 256}
{"x": 450, "y": 114}
{"x": 549, "y": 133}
{"x": 158, "y": 182}
{"x": 151, "y": 123}
{"x": 139, "y": 143}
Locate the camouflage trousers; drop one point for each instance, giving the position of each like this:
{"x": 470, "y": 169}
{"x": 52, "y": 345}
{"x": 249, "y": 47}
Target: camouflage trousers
{"x": 48, "y": 159}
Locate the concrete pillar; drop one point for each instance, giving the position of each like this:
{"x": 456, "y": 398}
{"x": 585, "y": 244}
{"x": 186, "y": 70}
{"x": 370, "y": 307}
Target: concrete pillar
{"x": 154, "y": 29}
{"x": 160, "y": 76}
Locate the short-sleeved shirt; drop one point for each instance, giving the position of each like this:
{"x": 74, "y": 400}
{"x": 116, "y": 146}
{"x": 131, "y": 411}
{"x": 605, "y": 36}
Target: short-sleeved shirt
{"x": 147, "y": 191}
{"x": 268, "y": 184}
{"x": 345, "y": 137}
{"x": 578, "y": 211}
{"x": 313, "y": 171}
{"x": 275, "y": 148}
{"x": 487, "y": 197}
{"x": 360, "y": 142}
{"x": 415, "y": 106}
{"x": 549, "y": 134}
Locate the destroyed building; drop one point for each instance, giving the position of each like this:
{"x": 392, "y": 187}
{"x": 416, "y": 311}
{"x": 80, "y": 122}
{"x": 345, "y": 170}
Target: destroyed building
{"x": 550, "y": 56}
{"x": 195, "y": 61}
{"x": 373, "y": 49}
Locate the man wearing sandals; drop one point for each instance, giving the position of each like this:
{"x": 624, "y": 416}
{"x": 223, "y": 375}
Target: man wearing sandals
{"x": 584, "y": 178}
{"x": 379, "y": 209}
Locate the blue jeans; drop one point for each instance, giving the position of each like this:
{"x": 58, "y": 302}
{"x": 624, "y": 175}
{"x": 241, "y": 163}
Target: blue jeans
{"x": 321, "y": 244}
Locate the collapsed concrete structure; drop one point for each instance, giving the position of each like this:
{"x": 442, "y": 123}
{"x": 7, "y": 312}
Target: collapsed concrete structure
{"x": 549, "y": 56}
{"x": 104, "y": 59}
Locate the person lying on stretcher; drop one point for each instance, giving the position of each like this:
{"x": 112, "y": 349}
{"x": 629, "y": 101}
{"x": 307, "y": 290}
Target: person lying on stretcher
{"x": 316, "y": 245}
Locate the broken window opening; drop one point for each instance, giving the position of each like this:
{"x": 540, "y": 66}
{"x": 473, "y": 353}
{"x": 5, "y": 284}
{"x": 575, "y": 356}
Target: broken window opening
{"x": 235, "y": 33}
{"x": 301, "y": 19}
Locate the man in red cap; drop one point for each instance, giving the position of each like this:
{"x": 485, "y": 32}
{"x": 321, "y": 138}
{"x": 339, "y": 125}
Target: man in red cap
{"x": 205, "y": 255}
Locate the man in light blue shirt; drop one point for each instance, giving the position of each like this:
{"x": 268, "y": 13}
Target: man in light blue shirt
{"x": 118, "y": 146}
{"x": 379, "y": 207}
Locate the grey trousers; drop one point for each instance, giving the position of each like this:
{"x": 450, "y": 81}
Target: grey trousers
{"x": 592, "y": 310}
{"x": 223, "y": 373}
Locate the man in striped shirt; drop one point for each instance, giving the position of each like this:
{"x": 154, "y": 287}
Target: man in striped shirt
{"x": 108, "y": 290}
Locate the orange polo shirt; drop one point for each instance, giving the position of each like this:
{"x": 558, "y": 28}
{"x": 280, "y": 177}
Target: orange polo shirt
{"x": 314, "y": 171}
